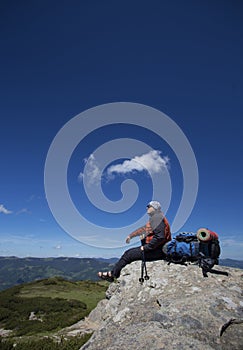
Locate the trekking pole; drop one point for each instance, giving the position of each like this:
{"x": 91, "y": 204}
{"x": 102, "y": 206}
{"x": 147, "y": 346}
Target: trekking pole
{"x": 143, "y": 267}
{"x": 141, "y": 279}
{"x": 146, "y": 277}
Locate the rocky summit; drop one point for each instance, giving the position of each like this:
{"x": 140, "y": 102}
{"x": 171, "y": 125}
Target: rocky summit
{"x": 177, "y": 308}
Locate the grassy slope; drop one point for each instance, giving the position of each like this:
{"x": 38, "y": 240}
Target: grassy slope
{"x": 86, "y": 291}
{"x": 56, "y": 290}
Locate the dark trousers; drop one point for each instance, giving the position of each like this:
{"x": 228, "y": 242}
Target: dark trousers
{"x": 135, "y": 254}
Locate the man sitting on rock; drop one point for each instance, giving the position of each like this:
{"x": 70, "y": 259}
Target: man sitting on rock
{"x": 154, "y": 235}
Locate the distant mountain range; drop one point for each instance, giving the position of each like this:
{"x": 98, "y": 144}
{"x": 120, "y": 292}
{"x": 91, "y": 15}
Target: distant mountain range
{"x": 231, "y": 263}
{"x": 14, "y": 270}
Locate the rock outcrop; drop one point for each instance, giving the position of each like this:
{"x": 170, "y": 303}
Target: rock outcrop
{"x": 177, "y": 308}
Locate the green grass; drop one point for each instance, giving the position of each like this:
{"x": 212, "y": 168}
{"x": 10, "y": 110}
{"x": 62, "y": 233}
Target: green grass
{"x": 87, "y": 292}
{"x": 56, "y": 302}
{"x": 73, "y": 343}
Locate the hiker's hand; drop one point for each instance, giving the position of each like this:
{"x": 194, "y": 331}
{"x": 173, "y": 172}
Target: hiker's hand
{"x": 128, "y": 239}
{"x": 142, "y": 248}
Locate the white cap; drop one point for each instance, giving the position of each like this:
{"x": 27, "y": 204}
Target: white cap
{"x": 156, "y": 205}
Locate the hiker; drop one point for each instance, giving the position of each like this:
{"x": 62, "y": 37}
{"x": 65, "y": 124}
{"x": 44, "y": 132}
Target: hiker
{"x": 153, "y": 236}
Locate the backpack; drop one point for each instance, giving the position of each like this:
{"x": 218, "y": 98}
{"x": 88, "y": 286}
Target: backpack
{"x": 182, "y": 248}
{"x": 202, "y": 247}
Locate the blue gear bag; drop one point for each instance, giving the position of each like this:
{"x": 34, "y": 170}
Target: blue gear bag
{"x": 183, "y": 247}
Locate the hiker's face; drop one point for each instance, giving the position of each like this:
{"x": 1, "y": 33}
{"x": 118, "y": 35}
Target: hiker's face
{"x": 150, "y": 209}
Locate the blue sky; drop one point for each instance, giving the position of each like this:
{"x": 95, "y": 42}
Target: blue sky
{"x": 60, "y": 61}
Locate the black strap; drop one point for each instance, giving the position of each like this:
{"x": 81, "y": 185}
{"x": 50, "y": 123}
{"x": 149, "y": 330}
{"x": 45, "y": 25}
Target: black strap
{"x": 216, "y": 272}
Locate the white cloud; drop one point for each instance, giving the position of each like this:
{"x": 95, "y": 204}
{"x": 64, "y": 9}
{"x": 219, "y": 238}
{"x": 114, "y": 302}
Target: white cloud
{"x": 151, "y": 161}
{"x": 231, "y": 248}
{"x": 92, "y": 170}
{"x": 23, "y": 211}
{"x": 33, "y": 197}
{"x": 231, "y": 242}
{"x": 4, "y": 210}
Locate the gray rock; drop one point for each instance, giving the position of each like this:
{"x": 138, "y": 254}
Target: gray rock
{"x": 176, "y": 309}
{"x": 232, "y": 338}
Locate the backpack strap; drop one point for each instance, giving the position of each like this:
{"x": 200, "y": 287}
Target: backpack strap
{"x": 207, "y": 264}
